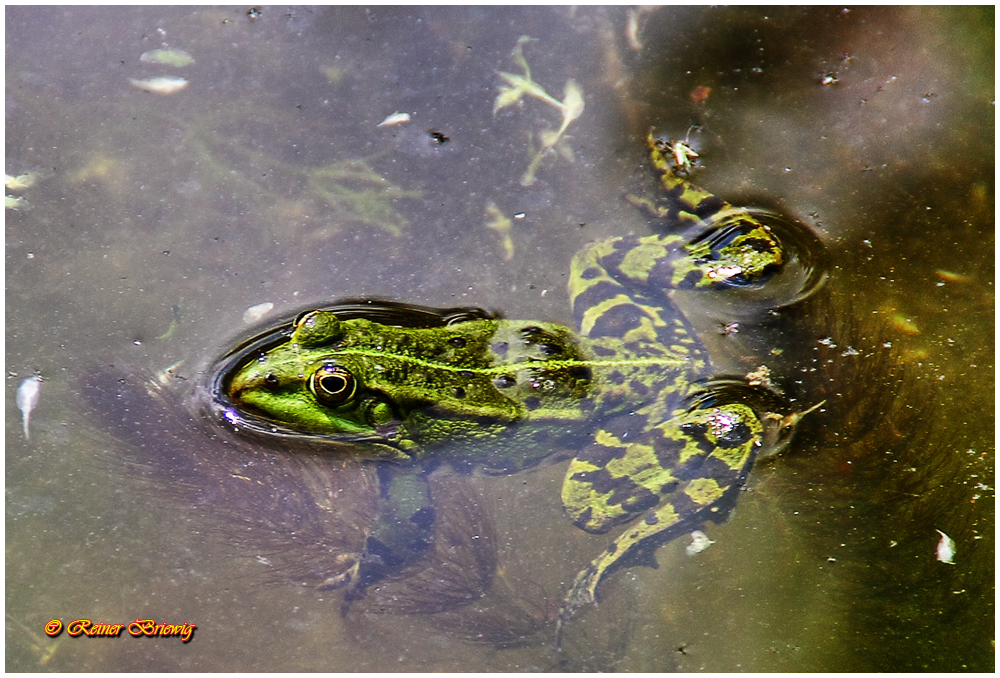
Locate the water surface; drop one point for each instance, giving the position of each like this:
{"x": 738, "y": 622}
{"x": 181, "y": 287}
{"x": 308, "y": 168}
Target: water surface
{"x": 158, "y": 220}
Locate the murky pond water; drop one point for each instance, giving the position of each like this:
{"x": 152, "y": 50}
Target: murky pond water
{"x": 156, "y": 220}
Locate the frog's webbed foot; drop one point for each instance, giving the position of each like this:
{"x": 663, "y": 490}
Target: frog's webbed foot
{"x": 679, "y": 474}
{"x": 376, "y": 563}
{"x": 583, "y": 592}
{"x": 347, "y": 576}
{"x": 401, "y": 535}
{"x": 664, "y": 523}
{"x": 348, "y": 579}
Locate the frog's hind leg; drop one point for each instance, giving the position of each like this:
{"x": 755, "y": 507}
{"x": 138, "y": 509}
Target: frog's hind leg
{"x": 686, "y": 469}
{"x": 682, "y": 204}
{"x": 731, "y": 246}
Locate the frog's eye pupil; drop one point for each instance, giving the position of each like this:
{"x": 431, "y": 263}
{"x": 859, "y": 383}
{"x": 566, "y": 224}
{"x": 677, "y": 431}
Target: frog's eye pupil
{"x": 332, "y": 384}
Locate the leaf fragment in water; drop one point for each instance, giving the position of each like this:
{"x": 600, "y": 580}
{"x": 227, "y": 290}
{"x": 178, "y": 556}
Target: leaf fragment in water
{"x": 699, "y": 542}
{"x": 20, "y": 182}
{"x": 177, "y": 58}
{"x": 395, "y": 119}
{"x": 255, "y": 313}
{"x": 502, "y": 224}
{"x": 15, "y": 202}
{"x": 27, "y": 398}
{"x": 163, "y": 85}
{"x": 945, "y": 549}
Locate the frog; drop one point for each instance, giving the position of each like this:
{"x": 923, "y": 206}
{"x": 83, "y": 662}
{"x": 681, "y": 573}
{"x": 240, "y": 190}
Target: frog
{"x": 661, "y": 442}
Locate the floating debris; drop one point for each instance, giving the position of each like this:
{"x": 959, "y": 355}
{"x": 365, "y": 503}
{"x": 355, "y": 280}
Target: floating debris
{"x": 951, "y": 276}
{"x": 699, "y": 542}
{"x": 729, "y": 329}
{"x": 20, "y": 182}
{"x": 438, "y": 138}
{"x": 572, "y": 108}
{"x": 15, "y": 202}
{"x": 502, "y": 224}
{"x": 167, "y": 373}
{"x": 903, "y": 324}
{"x": 699, "y": 95}
{"x": 255, "y": 313}
{"x": 517, "y": 86}
{"x": 632, "y": 31}
{"x": 27, "y": 398}
{"x": 177, "y": 58}
{"x": 163, "y": 85}
{"x": 333, "y": 74}
{"x": 761, "y": 377}
{"x": 357, "y": 193}
{"x": 175, "y": 321}
{"x": 395, "y": 119}
{"x": 42, "y": 647}
{"x": 633, "y": 27}
{"x": 945, "y": 549}
{"x": 683, "y": 154}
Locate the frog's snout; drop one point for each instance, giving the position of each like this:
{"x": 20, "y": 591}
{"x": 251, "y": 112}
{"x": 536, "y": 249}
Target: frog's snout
{"x": 246, "y": 383}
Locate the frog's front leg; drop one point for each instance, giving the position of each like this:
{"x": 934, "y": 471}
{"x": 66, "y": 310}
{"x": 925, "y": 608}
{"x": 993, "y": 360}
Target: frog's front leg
{"x": 401, "y": 534}
{"x": 680, "y": 473}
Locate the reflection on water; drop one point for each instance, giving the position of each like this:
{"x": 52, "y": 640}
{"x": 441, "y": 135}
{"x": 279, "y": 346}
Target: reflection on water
{"x": 266, "y": 179}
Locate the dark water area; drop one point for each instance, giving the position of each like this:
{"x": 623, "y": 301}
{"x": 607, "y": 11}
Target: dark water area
{"x": 154, "y": 222}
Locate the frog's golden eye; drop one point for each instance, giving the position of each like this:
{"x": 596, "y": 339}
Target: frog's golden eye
{"x": 333, "y": 385}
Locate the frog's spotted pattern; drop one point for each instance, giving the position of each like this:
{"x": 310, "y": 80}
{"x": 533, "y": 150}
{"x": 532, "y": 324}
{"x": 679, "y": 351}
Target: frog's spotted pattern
{"x": 668, "y": 452}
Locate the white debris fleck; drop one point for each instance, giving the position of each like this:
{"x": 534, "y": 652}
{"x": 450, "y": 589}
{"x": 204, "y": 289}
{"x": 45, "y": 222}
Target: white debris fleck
{"x": 945, "y": 549}
{"x": 699, "y": 542}
{"x": 164, "y": 85}
{"x": 255, "y": 313}
{"x": 27, "y": 398}
{"x": 167, "y": 373}
{"x": 395, "y": 119}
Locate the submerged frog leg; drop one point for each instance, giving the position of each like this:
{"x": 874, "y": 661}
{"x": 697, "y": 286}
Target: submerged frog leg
{"x": 401, "y": 534}
{"x": 683, "y": 469}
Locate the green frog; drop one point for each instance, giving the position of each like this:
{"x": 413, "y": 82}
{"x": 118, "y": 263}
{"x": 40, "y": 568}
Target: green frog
{"x": 661, "y": 446}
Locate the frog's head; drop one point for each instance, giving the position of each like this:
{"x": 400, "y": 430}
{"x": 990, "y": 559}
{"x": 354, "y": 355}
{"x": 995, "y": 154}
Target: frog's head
{"x": 361, "y": 382}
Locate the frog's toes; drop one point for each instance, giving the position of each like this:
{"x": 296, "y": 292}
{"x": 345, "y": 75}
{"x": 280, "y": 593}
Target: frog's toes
{"x": 345, "y": 578}
{"x": 583, "y": 592}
